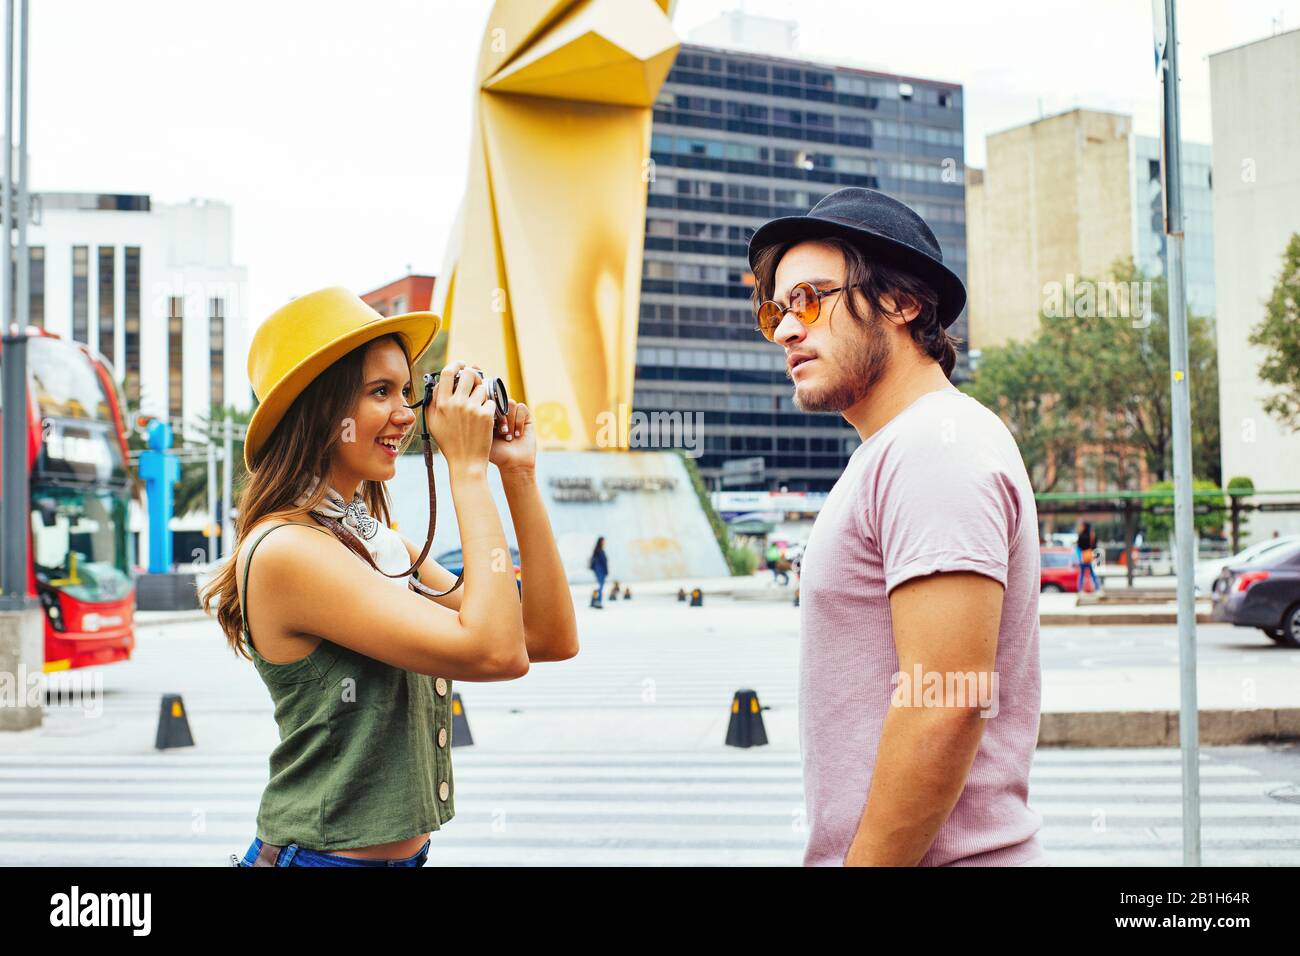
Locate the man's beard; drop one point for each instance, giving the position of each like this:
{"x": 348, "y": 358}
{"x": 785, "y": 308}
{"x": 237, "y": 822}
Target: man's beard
{"x": 863, "y": 364}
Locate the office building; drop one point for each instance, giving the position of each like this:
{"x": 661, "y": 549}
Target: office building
{"x": 1061, "y": 200}
{"x": 1198, "y": 218}
{"x": 152, "y": 287}
{"x": 1256, "y": 123}
{"x": 411, "y": 293}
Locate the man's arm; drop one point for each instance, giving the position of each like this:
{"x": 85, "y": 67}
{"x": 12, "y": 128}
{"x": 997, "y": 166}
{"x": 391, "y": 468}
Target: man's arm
{"x": 948, "y": 625}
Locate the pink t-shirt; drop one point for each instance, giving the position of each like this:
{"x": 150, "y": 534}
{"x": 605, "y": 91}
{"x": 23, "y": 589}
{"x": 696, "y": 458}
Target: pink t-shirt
{"x": 941, "y": 487}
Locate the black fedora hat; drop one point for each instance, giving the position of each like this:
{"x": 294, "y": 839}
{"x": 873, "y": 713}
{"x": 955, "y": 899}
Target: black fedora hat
{"x": 883, "y": 228}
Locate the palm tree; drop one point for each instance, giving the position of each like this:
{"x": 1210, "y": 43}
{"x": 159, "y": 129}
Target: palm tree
{"x": 191, "y": 491}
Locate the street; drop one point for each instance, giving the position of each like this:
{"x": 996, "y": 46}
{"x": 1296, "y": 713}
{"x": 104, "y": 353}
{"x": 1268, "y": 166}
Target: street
{"x": 613, "y": 758}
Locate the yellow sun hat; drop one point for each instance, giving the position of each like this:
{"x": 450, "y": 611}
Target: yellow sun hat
{"x": 300, "y": 340}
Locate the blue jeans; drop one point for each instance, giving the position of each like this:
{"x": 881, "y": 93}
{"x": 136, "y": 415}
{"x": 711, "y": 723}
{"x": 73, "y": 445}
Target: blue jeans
{"x": 600, "y": 590}
{"x": 294, "y": 855}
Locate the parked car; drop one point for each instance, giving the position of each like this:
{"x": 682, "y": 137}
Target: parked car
{"x": 1059, "y": 571}
{"x": 454, "y": 561}
{"x": 1264, "y": 593}
{"x": 1207, "y": 572}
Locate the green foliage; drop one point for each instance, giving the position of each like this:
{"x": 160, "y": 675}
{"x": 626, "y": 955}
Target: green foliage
{"x": 1242, "y": 486}
{"x": 191, "y": 491}
{"x": 1099, "y": 376}
{"x": 715, "y": 522}
{"x": 1019, "y": 381}
{"x": 1159, "y": 526}
{"x": 1279, "y": 336}
{"x": 741, "y": 559}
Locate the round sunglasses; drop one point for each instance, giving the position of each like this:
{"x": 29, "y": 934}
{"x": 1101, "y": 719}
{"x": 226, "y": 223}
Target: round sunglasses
{"x": 805, "y": 303}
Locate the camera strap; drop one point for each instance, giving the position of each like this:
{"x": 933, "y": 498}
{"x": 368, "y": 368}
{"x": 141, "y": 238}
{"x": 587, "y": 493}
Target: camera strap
{"x": 351, "y": 542}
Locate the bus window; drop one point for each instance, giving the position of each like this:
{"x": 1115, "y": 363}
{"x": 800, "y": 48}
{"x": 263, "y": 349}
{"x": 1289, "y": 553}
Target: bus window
{"x": 81, "y": 552}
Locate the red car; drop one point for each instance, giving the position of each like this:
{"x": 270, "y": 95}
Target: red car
{"x": 1060, "y": 571}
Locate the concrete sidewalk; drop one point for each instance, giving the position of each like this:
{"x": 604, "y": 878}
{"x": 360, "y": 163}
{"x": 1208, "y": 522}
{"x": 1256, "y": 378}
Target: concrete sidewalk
{"x": 1104, "y": 686}
{"x": 1055, "y": 610}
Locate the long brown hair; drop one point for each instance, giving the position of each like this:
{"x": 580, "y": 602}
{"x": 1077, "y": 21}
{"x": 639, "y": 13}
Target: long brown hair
{"x": 873, "y": 279}
{"x": 301, "y": 447}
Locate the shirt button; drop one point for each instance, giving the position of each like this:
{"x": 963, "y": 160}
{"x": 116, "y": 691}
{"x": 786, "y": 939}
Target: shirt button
{"x": 442, "y": 736}
{"x": 443, "y": 791}
{"x": 440, "y": 686}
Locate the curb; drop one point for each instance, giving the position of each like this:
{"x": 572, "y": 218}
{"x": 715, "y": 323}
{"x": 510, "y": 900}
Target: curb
{"x": 171, "y": 617}
{"x": 1058, "y": 619}
{"x": 1159, "y": 728}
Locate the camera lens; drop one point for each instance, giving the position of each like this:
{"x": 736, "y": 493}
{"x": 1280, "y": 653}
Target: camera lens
{"x": 498, "y": 389}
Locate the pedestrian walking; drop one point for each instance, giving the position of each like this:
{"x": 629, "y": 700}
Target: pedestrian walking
{"x": 599, "y": 565}
{"x": 922, "y": 564}
{"x": 359, "y": 659}
{"x": 1085, "y": 552}
{"x": 774, "y": 557}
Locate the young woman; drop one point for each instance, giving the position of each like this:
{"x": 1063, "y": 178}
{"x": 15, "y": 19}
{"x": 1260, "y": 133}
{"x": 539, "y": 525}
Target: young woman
{"x": 358, "y": 665}
{"x": 599, "y": 565}
{"x": 1085, "y": 551}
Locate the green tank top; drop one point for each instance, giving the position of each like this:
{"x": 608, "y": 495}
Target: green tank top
{"x": 365, "y": 748}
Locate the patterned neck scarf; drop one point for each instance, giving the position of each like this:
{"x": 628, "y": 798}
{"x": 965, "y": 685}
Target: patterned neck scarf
{"x": 384, "y": 544}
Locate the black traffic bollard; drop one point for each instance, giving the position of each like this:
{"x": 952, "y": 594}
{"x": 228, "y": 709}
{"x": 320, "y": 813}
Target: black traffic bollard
{"x": 746, "y": 727}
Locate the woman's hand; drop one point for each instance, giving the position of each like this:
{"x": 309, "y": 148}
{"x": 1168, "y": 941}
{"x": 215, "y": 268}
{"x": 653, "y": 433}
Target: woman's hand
{"x": 514, "y": 443}
{"x": 460, "y": 418}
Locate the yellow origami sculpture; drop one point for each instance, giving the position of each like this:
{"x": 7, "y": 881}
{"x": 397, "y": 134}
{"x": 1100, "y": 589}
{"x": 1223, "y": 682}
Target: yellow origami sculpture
{"x": 543, "y": 271}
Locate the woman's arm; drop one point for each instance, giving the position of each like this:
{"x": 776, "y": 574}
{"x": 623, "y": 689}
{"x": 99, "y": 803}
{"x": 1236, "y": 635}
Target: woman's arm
{"x": 434, "y": 575}
{"x": 541, "y": 568}
{"x": 322, "y": 590}
{"x": 550, "y": 626}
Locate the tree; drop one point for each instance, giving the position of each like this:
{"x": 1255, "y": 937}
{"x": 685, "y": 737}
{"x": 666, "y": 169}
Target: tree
{"x": 1238, "y": 488}
{"x": 1158, "y": 513}
{"x": 1097, "y": 374}
{"x": 1114, "y": 362}
{"x": 1020, "y": 382}
{"x": 1279, "y": 336}
{"x": 191, "y": 491}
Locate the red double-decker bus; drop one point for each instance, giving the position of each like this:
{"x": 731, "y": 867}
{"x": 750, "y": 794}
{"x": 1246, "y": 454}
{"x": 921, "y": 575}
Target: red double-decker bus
{"x": 81, "y": 489}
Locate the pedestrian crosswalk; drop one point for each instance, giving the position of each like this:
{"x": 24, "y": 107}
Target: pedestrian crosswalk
{"x": 727, "y": 807}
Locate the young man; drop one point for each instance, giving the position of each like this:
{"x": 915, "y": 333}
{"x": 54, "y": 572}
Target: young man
{"x": 919, "y": 673}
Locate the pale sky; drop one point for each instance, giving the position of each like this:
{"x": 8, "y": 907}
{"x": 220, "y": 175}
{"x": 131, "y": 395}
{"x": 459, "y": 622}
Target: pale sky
{"x": 338, "y": 131}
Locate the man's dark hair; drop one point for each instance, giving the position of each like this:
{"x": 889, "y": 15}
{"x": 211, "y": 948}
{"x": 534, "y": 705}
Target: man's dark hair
{"x": 873, "y": 280}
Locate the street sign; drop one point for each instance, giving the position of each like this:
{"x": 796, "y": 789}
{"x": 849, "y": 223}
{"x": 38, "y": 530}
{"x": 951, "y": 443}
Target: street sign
{"x": 743, "y": 471}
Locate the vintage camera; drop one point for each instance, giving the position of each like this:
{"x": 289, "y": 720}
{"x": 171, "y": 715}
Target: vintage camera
{"x": 495, "y": 386}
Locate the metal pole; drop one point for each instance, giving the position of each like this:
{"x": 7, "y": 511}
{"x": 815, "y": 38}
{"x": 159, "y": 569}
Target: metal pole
{"x": 6, "y": 204}
{"x": 227, "y": 479}
{"x": 1184, "y": 532}
{"x": 14, "y": 513}
{"x": 211, "y": 529}
{"x": 24, "y": 310}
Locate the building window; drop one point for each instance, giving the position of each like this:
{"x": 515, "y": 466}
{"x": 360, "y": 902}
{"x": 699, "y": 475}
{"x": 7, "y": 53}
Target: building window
{"x": 399, "y": 305}
{"x": 217, "y": 353}
{"x": 81, "y": 294}
{"x": 175, "y": 366}
{"x": 107, "y": 259}
{"x": 131, "y": 343}
{"x": 36, "y": 286}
